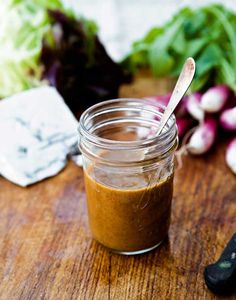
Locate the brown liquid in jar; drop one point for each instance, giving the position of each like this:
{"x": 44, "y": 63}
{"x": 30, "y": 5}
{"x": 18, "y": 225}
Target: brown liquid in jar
{"x": 126, "y": 214}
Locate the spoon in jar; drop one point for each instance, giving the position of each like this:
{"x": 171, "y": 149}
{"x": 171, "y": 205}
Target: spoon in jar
{"x": 182, "y": 84}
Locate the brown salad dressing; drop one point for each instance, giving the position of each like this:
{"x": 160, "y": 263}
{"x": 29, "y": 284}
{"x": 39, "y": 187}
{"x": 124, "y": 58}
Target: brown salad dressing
{"x": 128, "y": 173}
{"x": 126, "y": 213}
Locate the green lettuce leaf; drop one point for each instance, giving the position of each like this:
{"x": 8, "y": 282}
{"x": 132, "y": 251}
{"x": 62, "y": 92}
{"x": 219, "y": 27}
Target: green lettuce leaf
{"x": 23, "y": 24}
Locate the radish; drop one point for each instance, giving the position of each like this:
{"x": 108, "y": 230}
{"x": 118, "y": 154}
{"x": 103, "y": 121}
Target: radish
{"x": 162, "y": 99}
{"x": 215, "y": 98}
{"x": 230, "y": 156}
{"x": 183, "y": 124}
{"x": 203, "y": 138}
{"x": 228, "y": 119}
{"x": 181, "y": 109}
{"x": 194, "y": 107}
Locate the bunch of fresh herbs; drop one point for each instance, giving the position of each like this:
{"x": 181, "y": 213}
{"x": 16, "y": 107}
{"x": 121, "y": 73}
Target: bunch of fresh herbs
{"x": 208, "y": 34}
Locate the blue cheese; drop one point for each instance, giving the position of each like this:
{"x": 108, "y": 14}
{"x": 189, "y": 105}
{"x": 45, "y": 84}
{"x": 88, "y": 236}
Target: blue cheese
{"x": 37, "y": 131}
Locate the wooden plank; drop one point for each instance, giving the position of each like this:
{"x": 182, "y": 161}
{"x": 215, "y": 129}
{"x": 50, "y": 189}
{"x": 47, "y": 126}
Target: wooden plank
{"x": 47, "y": 252}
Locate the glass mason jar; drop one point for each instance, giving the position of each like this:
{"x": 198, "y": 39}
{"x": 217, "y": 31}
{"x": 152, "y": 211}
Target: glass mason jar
{"x": 128, "y": 173}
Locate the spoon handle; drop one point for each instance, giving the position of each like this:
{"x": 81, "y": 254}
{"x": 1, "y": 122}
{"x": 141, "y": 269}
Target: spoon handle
{"x": 182, "y": 84}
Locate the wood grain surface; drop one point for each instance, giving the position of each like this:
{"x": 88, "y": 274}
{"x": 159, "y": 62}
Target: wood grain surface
{"x": 46, "y": 251}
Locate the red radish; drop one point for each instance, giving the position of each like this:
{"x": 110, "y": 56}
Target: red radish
{"x": 162, "y": 99}
{"x": 215, "y": 98}
{"x": 194, "y": 108}
{"x": 231, "y": 155}
{"x": 228, "y": 119}
{"x": 183, "y": 124}
{"x": 181, "y": 109}
{"x": 203, "y": 138}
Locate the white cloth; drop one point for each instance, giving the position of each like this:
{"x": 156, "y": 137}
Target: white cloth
{"x": 37, "y": 131}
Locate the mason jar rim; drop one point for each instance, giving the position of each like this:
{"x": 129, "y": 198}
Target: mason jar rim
{"x": 114, "y": 144}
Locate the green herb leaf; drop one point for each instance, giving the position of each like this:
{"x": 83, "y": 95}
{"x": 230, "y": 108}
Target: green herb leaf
{"x": 208, "y": 34}
{"x": 210, "y": 57}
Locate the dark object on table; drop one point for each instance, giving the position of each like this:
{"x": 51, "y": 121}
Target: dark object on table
{"x": 77, "y": 64}
{"x": 221, "y": 276}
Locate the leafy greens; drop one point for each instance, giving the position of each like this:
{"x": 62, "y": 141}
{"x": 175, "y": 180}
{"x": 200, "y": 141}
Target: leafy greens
{"x": 23, "y": 25}
{"x": 208, "y": 34}
{"x": 43, "y": 42}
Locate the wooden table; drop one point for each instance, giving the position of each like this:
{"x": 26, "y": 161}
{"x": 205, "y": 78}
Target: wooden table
{"x": 47, "y": 251}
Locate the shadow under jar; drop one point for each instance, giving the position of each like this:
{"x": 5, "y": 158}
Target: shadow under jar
{"x": 128, "y": 173}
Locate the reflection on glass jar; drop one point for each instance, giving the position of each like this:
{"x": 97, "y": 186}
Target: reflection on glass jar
{"x": 128, "y": 173}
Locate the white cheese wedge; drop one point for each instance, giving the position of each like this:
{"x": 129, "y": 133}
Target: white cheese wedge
{"x": 37, "y": 131}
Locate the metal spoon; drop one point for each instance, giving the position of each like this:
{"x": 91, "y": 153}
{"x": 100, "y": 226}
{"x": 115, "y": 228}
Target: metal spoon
{"x": 182, "y": 84}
